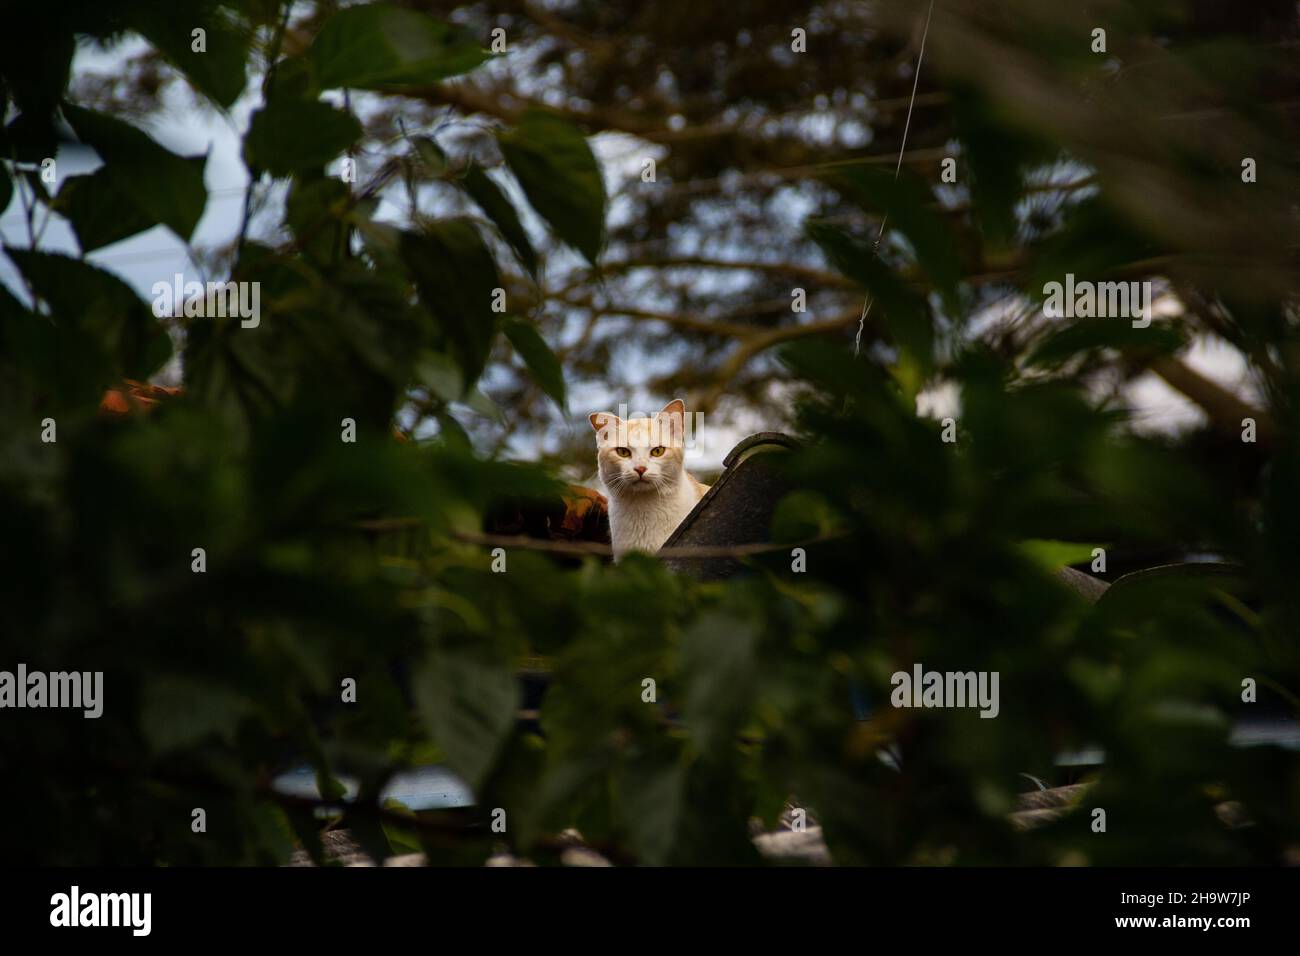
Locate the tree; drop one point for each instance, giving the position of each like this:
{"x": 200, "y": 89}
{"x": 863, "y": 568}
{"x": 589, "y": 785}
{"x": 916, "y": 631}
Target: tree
{"x": 263, "y": 574}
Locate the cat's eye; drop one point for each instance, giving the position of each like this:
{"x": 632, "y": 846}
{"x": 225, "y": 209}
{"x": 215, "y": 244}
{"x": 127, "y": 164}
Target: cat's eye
{"x": 623, "y": 452}
{"x": 657, "y": 451}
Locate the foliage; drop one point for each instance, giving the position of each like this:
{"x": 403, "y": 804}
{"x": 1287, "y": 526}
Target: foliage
{"x": 926, "y": 551}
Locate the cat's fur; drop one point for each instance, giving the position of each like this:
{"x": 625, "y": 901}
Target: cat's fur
{"x": 645, "y": 507}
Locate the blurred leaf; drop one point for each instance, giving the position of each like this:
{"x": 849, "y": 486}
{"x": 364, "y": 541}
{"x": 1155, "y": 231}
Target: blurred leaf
{"x": 314, "y": 210}
{"x": 29, "y": 138}
{"x": 906, "y": 204}
{"x": 426, "y": 153}
{"x": 217, "y": 70}
{"x": 719, "y": 656}
{"x": 653, "y": 805}
{"x": 554, "y": 164}
{"x": 166, "y": 187}
{"x": 453, "y": 432}
{"x": 456, "y": 276}
{"x": 100, "y": 211}
{"x": 441, "y": 375}
{"x": 294, "y": 78}
{"x": 468, "y": 705}
{"x": 1097, "y": 243}
{"x": 537, "y": 355}
{"x": 287, "y": 136}
{"x": 904, "y": 313}
{"x": 179, "y": 712}
{"x": 1088, "y": 335}
{"x": 998, "y": 155}
{"x": 102, "y": 309}
{"x": 476, "y": 400}
{"x": 499, "y": 209}
{"x": 1051, "y": 555}
{"x": 376, "y": 46}
{"x": 401, "y": 840}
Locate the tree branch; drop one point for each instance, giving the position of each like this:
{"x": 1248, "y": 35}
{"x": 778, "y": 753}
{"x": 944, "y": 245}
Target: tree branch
{"x": 760, "y": 342}
{"x": 802, "y": 272}
{"x": 1225, "y": 410}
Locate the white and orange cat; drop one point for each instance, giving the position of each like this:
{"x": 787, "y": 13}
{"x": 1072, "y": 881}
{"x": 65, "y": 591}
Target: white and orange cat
{"x": 642, "y": 465}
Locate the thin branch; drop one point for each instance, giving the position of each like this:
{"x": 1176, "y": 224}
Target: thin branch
{"x": 555, "y": 26}
{"x": 760, "y": 176}
{"x": 802, "y": 272}
{"x": 509, "y": 105}
{"x": 591, "y": 548}
{"x": 691, "y": 322}
{"x": 755, "y": 344}
{"x": 1225, "y": 410}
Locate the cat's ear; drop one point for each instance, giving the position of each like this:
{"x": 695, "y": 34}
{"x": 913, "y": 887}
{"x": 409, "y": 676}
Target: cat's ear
{"x": 674, "y": 413}
{"x": 602, "y": 420}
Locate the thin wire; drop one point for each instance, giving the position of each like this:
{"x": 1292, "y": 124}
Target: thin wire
{"x": 907, "y": 126}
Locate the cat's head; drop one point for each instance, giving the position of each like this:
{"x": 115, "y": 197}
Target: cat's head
{"x": 641, "y": 455}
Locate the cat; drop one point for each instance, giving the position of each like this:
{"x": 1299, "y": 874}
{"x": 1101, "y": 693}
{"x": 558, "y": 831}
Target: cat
{"x": 641, "y": 463}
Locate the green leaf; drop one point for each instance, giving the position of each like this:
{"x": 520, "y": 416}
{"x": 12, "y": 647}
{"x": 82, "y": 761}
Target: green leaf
{"x": 719, "y": 658}
{"x": 1089, "y": 335}
{"x": 287, "y": 136}
{"x": 906, "y": 201}
{"x": 308, "y": 831}
{"x": 996, "y": 155}
{"x": 36, "y": 61}
{"x": 440, "y": 375}
{"x": 499, "y": 209}
{"x": 426, "y": 152}
{"x": 1097, "y": 243}
{"x": 456, "y": 277}
{"x": 29, "y": 138}
{"x": 453, "y": 433}
{"x": 904, "y": 313}
{"x": 475, "y": 400}
{"x": 45, "y": 353}
{"x": 401, "y": 840}
{"x": 558, "y": 172}
{"x": 383, "y": 244}
{"x": 538, "y": 357}
{"x": 100, "y": 210}
{"x": 468, "y": 705}
{"x": 294, "y": 78}
{"x": 652, "y": 802}
{"x": 99, "y": 310}
{"x": 378, "y": 46}
{"x": 166, "y": 187}
{"x": 313, "y": 211}
{"x": 178, "y": 712}
{"x": 1052, "y": 555}
{"x": 217, "y": 71}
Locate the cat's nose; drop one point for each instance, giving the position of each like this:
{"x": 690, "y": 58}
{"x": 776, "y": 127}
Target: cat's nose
{"x": 639, "y": 469}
